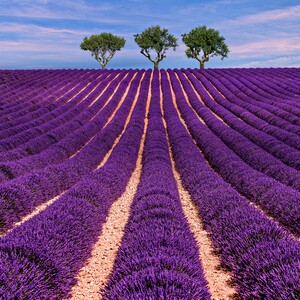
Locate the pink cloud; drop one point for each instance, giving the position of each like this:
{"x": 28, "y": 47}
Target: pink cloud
{"x": 32, "y": 46}
{"x": 267, "y": 47}
{"x": 291, "y": 13}
{"x": 34, "y": 29}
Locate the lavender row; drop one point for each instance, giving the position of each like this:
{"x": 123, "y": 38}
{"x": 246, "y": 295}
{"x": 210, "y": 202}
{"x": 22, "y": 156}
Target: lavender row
{"x": 20, "y": 196}
{"x": 285, "y": 153}
{"x": 57, "y": 101}
{"x": 35, "y": 81}
{"x": 284, "y": 99}
{"x": 13, "y": 91}
{"x": 158, "y": 257}
{"x": 273, "y": 90}
{"x": 34, "y": 107}
{"x": 276, "y": 99}
{"x": 43, "y": 89}
{"x": 282, "y": 118}
{"x": 47, "y": 123}
{"x": 31, "y": 102}
{"x": 279, "y": 83}
{"x": 261, "y": 113}
{"x": 269, "y": 92}
{"x": 264, "y": 261}
{"x": 48, "y": 251}
{"x": 14, "y": 137}
{"x": 275, "y": 198}
{"x": 253, "y": 155}
{"x": 291, "y": 74}
{"x": 53, "y": 137}
{"x": 37, "y": 104}
{"x": 56, "y": 146}
{"x": 288, "y": 138}
{"x": 16, "y": 95}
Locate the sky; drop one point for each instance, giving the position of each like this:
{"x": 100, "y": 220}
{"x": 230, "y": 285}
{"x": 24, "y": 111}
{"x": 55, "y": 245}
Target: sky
{"x": 46, "y": 34}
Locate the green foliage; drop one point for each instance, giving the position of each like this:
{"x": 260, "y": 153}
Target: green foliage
{"x": 157, "y": 39}
{"x": 103, "y": 46}
{"x": 207, "y": 41}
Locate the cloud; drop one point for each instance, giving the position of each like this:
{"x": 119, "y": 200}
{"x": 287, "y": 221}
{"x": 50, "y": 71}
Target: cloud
{"x": 285, "y": 61}
{"x": 267, "y": 47}
{"x": 64, "y": 10}
{"x": 290, "y": 13}
{"x": 264, "y": 35}
{"x": 30, "y": 29}
{"x": 32, "y": 46}
{"x": 53, "y": 29}
{"x": 33, "y": 39}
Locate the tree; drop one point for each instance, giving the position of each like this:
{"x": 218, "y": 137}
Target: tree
{"x": 206, "y": 40}
{"x": 103, "y": 46}
{"x": 157, "y": 39}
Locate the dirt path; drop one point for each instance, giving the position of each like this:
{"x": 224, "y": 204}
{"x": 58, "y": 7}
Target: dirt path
{"x": 200, "y": 99}
{"x": 127, "y": 119}
{"x": 96, "y": 272}
{"x": 217, "y": 278}
{"x": 105, "y": 104}
{"x": 250, "y": 202}
{"x": 256, "y": 206}
{"x": 36, "y": 211}
{"x": 43, "y": 206}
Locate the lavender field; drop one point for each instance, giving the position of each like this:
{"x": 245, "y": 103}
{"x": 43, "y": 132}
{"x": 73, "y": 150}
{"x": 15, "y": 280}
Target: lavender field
{"x": 75, "y": 142}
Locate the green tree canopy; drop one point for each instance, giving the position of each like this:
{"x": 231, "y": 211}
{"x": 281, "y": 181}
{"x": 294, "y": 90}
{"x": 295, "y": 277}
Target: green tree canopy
{"x": 157, "y": 39}
{"x": 207, "y": 41}
{"x": 103, "y": 46}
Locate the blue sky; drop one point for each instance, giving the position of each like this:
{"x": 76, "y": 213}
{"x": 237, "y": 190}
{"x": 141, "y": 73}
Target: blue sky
{"x": 46, "y": 34}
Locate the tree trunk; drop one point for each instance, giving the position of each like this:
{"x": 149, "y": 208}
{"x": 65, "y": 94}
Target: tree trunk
{"x": 201, "y": 64}
{"x": 156, "y": 65}
{"x": 103, "y": 66}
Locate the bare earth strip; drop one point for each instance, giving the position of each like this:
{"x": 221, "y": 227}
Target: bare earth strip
{"x": 107, "y": 101}
{"x": 82, "y": 90}
{"x": 221, "y": 94}
{"x": 95, "y": 274}
{"x": 114, "y": 92}
{"x": 185, "y": 95}
{"x": 74, "y": 86}
{"x": 217, "y": 278}
{"x": 295, "y": 237}
{"x": 127, "y": 120}
{"x": 102, "y": 91}
{"x": 43, "y": 206}
{"x": 37, "y": 210}
{"x": 199, "y": 97}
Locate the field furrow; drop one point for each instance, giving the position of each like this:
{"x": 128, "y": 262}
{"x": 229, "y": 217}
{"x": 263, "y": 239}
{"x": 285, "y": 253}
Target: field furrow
{"x": 141, "y": 184}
